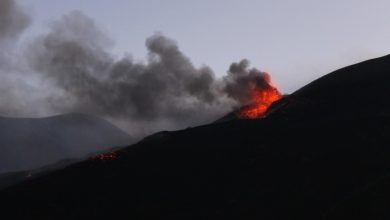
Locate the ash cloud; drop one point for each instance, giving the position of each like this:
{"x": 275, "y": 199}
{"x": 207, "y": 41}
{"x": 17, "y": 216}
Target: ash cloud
{"x": 241, "y": 80}
{"x": 14, "y": 87}
{"x": 13, "y": 20}
{"x": 165, "y": 92}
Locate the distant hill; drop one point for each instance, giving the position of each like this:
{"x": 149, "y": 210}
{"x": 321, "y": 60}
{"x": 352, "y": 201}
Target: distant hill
{"x": 321, "y": 153}
{"x": 29, "y": 143}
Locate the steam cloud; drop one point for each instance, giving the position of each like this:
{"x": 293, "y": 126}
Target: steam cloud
{"x": 70, "y": 69}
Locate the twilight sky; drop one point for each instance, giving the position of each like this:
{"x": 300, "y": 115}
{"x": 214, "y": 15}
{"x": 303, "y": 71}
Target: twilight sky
{"x": 296, "y": 41}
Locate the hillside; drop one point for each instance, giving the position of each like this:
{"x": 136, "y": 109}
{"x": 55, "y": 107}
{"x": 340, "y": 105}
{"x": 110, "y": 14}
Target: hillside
{"x": 319, "y": 153}
{"x": 29, "y": 143}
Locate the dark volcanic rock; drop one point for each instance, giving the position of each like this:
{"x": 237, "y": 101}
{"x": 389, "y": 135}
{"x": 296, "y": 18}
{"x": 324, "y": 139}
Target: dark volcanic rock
{"x": 356, "y": 91}
{"x": 319, "y": 154}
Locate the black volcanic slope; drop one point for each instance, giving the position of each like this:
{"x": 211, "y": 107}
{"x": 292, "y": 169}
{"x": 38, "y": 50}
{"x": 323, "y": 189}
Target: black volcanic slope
{"x": 323, "y": 153}
{"x": 28, "y": 143}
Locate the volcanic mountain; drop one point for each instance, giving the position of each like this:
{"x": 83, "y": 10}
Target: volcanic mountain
{"x": 320, "y": 153}
{"x": 29, "y": 143}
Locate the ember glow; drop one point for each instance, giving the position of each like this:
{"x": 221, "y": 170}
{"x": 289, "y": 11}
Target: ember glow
{"x": 106, "y": 156}
{"x": 262, "y": 100}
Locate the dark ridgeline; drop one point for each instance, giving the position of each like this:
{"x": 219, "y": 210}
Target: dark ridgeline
{"x": 322, "y": 153}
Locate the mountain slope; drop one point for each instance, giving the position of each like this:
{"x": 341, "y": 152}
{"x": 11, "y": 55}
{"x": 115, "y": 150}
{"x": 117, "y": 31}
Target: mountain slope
{"x": 351, "y": 92}
{"x": 29, "y": 143}
{"x": 309, "y": 159}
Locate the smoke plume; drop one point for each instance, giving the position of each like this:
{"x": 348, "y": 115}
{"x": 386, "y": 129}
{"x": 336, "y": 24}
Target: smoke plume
{"x": 12, "y": 20}
{"x": 70, "y": 69}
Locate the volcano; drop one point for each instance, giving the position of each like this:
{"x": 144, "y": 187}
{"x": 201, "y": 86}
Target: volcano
{"x": 320, "y": 153}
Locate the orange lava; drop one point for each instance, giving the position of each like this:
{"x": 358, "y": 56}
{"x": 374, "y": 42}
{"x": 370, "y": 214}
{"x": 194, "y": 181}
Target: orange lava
{"x": 262, "y": 100}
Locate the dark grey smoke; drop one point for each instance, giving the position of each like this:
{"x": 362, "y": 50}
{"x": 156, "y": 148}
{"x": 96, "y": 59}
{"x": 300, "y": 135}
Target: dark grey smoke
{"x": 241, "y": 80}
{"x": 12, "y": 23}
{"x": 164, "y": 92}
{"x": 12, "y": 20}
{"x": 13, "y": 86}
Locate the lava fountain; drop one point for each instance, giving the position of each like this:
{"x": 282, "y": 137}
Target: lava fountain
{"x": 261, "y": 99}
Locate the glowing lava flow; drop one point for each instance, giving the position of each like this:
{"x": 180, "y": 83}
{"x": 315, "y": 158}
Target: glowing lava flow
{"x": 262, "y": 100}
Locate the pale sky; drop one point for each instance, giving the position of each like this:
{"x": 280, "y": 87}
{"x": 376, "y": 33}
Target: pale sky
{"x": 295, "y": 41}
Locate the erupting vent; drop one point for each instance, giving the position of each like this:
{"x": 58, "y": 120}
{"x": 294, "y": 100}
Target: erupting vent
{"x": 262, "y": 98}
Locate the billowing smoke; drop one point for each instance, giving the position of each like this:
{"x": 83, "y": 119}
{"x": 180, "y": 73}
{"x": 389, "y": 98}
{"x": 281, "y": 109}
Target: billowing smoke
{"x": 12, "y": 20}
{"x": 74, "y": 71}
{"x": 12, "y": 23}
{"x": 13, "y": 84}
{"x": 242, "y": 80}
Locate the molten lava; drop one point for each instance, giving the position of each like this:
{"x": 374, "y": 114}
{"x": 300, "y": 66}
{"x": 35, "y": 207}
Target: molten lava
{"x": 262, "y": 98}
